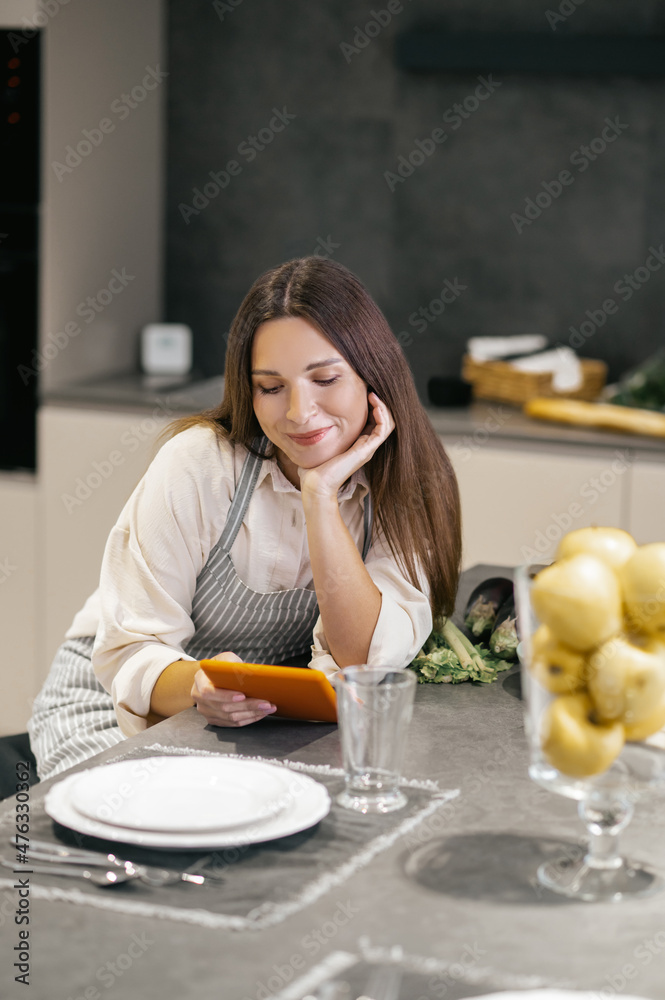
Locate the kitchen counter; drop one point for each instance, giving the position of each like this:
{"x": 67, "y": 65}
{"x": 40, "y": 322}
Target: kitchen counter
{"x": 138, "y": 392}
{"x": 481, "y": 423}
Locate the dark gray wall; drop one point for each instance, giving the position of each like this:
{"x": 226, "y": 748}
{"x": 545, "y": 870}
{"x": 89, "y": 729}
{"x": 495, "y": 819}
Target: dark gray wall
{"x": 323, "y": 176}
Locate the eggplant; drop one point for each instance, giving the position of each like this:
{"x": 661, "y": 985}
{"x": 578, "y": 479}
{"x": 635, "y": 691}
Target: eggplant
{"x": 504, "y": 639}
{"x": 484, "y": 603}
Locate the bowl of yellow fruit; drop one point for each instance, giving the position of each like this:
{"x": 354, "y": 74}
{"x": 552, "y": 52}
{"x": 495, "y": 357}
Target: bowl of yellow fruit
{"x": 592, "y": 630}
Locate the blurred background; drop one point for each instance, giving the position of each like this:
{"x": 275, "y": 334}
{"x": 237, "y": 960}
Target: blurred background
{"x": 357, "y": 112}
{"x": 488, "y": 168}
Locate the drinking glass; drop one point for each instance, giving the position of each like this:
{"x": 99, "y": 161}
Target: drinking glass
{"x": 374, "y": 707}
{"x": 606, "y": 800}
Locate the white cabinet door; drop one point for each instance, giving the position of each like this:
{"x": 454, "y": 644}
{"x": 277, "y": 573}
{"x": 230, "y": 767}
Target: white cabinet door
{"x": 89, "y": 461}
{"x": 18, "y": 544}
{"x": 647, "y": 499}
{"x": 518, "y": 499}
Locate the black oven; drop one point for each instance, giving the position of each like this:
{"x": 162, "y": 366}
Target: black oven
{"x": 19, "y": 236}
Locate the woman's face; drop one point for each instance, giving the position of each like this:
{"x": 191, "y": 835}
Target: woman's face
{"x": 308, "y": 400}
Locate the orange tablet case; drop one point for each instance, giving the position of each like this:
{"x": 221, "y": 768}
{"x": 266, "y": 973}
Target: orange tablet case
{"x": 298, "y": 692}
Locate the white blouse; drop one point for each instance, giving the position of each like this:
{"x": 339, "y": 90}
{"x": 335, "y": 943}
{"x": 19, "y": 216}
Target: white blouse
{"x": 140, "y": 614}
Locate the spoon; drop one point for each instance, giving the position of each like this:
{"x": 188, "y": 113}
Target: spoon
{"x": 147, "y": 874}
{"x": 96, "y": 876}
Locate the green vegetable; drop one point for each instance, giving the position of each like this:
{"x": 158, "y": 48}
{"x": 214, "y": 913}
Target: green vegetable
{"x": 481, "y": 616}
{"x": 503, "y": 640}
{"x": 448, "y": 657}
{"x": 644, "y": 386}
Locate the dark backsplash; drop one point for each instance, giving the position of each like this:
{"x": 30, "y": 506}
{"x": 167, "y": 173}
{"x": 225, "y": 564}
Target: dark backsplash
{"x": 426, "y": 202}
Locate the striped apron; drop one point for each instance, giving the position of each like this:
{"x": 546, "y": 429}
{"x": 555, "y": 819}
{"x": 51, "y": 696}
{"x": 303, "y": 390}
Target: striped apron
{"x": 73, "y": 715}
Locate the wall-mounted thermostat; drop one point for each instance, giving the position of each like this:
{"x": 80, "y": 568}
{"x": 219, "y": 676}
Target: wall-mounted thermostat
{"x": 166, "y": 349}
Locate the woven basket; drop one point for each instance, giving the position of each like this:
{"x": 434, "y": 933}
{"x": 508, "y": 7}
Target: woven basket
{"x": 499, "y": 381}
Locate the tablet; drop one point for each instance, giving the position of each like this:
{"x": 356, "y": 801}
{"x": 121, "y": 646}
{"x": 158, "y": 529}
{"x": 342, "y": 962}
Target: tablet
{"x": 298, "y": 692}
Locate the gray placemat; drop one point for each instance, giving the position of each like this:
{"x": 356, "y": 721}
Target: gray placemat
{"x": 378, "y": 973}
{"x": 263, "y": 883}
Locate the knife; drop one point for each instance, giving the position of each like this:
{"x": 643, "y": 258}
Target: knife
{"x": 46, "y": 851}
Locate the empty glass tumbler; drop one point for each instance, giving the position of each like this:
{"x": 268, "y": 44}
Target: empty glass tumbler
{"x": 374, "y": 708}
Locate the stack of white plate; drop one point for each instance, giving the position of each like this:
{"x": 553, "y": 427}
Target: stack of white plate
{"x": 188, "y": 802}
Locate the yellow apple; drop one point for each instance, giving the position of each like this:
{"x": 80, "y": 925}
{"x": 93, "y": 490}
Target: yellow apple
{"x": 613, "y": 545}
{"x": 625, "y": 682}
{"x": 654, "y": 644}
{"x": 650, "y": 643}
{"x": 580, "y": 600}
{"x": 643, "y": 585}
{"x": 573, "y": 742}
{"x": 557, "y": 667}
{"x": 647, "y": 727}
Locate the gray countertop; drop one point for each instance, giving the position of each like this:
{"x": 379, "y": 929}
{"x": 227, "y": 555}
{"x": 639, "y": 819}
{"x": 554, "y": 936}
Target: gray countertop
{"x": 472, "y": 891}
{"x": 132, "y": 391}
{"x": 478, "y": 424}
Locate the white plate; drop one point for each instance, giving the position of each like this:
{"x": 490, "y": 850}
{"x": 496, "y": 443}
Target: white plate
{"x": 309, "y": 803}
{"x": 180, "y": 794}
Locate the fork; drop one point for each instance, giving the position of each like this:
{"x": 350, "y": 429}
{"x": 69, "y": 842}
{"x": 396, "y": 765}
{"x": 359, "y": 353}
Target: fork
{"x": 150, "y": 874}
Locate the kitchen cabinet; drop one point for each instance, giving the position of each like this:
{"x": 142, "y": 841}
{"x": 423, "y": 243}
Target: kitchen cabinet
{"x": 90, "y": 460}
{"x": 520, "y": 498}
{"x": 19, "y": 563}
{"x": 646, "y": 520}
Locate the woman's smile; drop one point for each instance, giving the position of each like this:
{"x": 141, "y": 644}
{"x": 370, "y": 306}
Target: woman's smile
{"x": 312, "y": 438}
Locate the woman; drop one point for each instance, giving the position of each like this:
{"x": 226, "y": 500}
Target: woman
{"x": 311, "y": 519}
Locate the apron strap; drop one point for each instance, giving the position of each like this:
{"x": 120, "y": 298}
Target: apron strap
{"x": 368, "y": 520}
{"x": 243, "y": 493}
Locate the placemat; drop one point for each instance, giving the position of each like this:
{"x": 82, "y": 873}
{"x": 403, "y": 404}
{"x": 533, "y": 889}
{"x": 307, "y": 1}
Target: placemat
{"x": 263, "y": 883}
{"x": 375, "y": 973}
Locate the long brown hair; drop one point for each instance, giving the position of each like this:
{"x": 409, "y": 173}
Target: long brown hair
{"x": 412, "y": 483}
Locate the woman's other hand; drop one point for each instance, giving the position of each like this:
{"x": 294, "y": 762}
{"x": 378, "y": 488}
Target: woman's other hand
{"x": 223, "y": 707}
{"x": 327, "y": 478}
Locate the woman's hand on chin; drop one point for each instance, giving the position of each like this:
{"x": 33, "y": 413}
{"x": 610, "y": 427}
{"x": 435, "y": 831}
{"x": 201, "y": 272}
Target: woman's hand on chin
{"x": 326, "y": 479}
{"x": 222, "y": 707}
